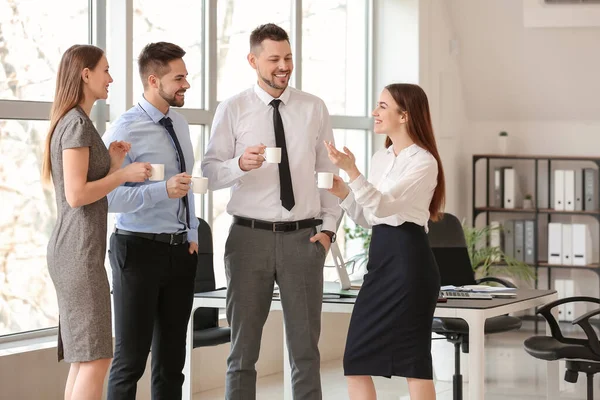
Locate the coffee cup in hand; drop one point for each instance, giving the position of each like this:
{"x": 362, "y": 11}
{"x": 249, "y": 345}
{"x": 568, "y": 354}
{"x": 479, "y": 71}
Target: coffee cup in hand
{"x": 199, "y": 184}
{"x": 273, "y": 155}
{"x": 157, "y": 172}
{"x": 325, "y": 180}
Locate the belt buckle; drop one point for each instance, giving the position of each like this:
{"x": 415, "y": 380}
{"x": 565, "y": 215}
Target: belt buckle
{"x": 275, "y": 224}
{"x": 172, "y": 236}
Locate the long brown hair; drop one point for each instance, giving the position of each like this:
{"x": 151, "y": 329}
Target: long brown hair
{"x": 413, "y": 100}
{"x": 69, "y": 91}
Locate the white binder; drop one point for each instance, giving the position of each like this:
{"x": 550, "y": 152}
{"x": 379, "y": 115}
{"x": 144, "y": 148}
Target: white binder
{"x": 570, "y": 190}
{"x": 509, "y": 188}
{"x": 498, "y": 188}
{"x": 581, "y": 245}
{"x": 567, "y": 245}
{"x": 559, "y": 189}
{"x": 559, "y": 286}
{"x": 578, "y": 189}
{"x": 554, "y": 243}
{"x": 569, "y": 286}
{"x": 495, "y": 238}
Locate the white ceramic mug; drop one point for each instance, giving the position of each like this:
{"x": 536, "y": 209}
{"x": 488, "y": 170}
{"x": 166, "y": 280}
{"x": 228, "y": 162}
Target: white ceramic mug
{"x": 325, "y": 180}
{"x": 158, "y": 172}
{"x": 199, "y": 184}
{"x": 273, "y": 155}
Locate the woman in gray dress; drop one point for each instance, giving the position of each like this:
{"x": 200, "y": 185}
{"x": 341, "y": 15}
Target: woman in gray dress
{"x": 83, "y": 172}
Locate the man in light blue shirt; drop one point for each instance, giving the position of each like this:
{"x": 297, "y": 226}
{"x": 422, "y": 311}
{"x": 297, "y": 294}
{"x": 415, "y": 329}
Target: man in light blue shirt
{"x": 153, "y": 252}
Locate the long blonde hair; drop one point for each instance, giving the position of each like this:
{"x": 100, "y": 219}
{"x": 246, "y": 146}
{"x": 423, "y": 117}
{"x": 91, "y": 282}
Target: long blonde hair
{"x": 69, "y": 91}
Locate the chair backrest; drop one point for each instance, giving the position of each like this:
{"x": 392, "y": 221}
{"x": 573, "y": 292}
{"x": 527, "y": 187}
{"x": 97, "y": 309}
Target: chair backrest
{"x": 448, "y": 244}
{"x": 205, "y": 318}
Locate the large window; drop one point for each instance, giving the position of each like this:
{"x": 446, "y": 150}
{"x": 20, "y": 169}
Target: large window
{"x": 357, "y": 142}
{"x": 334, "y": 45}
{"x": 32, "y": 40}
{"x": 236, "y": 19}
{"x": 332, "y": 64}
{"x": 177, "y": 21}
{"x": 27, "y": 297}
{"x": 31, "y": 45}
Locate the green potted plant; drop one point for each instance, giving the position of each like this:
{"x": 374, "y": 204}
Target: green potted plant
{"x": 359, "y": 261}
{"x": 491, "y": 261}
{"x": 485, "y": 260}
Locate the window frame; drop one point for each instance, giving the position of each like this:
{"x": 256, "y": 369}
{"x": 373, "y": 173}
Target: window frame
{"x": 121, "y": 25}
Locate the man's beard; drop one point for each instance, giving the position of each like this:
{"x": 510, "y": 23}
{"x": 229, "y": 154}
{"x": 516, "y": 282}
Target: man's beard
{"x": 273, "y": 84}
{"x": 171, "y": 100}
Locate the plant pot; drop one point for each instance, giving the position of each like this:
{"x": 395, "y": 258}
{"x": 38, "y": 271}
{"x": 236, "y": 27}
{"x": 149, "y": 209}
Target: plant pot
{"x": 527, "y": 203}
{"x": 503, "y": 144}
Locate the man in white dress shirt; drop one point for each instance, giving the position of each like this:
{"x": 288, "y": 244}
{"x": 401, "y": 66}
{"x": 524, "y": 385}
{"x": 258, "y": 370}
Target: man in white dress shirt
{"x": 283, "y": 224}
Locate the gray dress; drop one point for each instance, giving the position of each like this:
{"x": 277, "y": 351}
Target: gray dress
{"x": 77, "y": 248}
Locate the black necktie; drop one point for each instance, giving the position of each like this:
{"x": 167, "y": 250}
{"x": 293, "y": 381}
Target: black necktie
{"x": 168, "y": 124}
{"x": 285, "y": 177}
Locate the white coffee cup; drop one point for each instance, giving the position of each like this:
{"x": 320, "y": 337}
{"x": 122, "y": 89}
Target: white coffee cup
{"x": 273, "y": 155}
{"x": 158, "y": 172}
{"x": 325, "y": 180}
{"x": 199, "y": 184}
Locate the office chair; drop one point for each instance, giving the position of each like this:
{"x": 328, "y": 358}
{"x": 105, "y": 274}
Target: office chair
{"x": 581, "y": 355}
{"x": 447, "y": 241}
{"x": 206, "y": 320}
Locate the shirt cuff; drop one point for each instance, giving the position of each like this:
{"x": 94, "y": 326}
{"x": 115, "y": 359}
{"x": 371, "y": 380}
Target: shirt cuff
{"x": 358, "y": 183}
{"x": 328, "y": 224}
{"x": 233, "y": 166}
{"x": 348, "y": 201}
{"x": 192, "y": 235}
{"x": 158, "y": 192}
{"x": 360, "y": 186}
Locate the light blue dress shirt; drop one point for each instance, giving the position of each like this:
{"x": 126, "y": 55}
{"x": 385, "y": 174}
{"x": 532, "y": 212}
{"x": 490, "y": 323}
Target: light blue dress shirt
{"x": 146, "y": 206}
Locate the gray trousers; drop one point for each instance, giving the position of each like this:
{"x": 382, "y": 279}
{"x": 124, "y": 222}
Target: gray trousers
{"x": 254, "y": 260}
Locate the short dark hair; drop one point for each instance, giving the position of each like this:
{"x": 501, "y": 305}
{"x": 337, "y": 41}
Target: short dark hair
{"x": 267, "y": 31}
{"x": 155, "y": 57}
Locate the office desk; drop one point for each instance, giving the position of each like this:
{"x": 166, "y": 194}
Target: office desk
{"x": 474, "y": 312}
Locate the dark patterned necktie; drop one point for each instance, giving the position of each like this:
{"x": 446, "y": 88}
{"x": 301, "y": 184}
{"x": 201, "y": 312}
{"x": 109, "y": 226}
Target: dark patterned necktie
{"x": 285, "y": 177}
{"x": 168, "y": 124}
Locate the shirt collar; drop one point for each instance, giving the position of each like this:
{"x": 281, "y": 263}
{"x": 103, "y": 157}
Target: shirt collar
{"x": 267, "y": 98}
{"x": 153, "y": 112}
{"x": 407, "y": 151}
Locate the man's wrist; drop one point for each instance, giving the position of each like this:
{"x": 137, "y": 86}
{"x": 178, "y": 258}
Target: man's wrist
{"x": 332, "y": 235}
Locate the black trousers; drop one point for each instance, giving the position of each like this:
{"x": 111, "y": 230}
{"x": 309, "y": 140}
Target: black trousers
{"x": 153, "y": 286}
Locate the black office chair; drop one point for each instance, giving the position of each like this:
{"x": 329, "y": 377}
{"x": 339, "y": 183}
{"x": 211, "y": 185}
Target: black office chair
{"x": 206, "y": 320}
{"x": 581, "y": 355}
{"x": 447, "y": 241}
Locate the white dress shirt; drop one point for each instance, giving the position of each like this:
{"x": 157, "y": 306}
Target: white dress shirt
{"x": 400, "y": 189}
{"x": 246, "y": 120}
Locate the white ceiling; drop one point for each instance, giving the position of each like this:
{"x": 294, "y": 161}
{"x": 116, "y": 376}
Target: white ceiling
{"x": 510, "y": 72}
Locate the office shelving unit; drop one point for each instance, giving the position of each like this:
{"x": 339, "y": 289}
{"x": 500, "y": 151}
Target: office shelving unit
{"x": 536, "y": 213}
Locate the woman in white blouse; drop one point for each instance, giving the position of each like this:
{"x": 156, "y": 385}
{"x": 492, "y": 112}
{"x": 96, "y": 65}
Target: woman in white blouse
{"x": 390, "y": 329}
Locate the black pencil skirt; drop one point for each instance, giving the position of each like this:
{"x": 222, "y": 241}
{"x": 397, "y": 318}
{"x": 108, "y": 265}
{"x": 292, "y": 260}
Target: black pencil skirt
{"x": 390, "y": 327}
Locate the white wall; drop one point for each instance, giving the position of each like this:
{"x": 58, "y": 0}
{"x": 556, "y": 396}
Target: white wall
{"x": 413, "y": 43}
{"x": 540, "y": 85}
{"x": 440, "y": 77}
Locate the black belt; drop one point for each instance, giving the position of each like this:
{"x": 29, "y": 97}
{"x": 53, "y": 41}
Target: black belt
{"x": 277, "y": 226}
{"x": 170, "y": 238}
